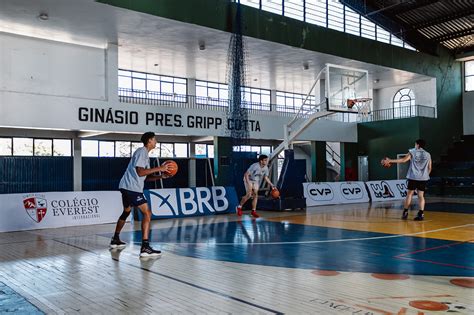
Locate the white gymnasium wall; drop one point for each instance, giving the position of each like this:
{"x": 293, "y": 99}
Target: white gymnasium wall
{"x": 425, "y": 94}
{"x": 37, "y": 66}
{"x": 44, "y": 84}
{"x": 39, "y": 111}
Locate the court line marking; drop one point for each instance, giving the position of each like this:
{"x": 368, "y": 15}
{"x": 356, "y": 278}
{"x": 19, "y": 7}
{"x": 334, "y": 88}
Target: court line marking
{"x": 319, "y": 241}
{"x": 222, "y": 294}
{"x": 401, "y": 256}
{"x": 433, "y": 248}
{"x": 435, "y": 263}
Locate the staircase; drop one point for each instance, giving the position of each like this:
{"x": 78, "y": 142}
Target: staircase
{"x": 305, "y": 116}
{"x": 297, "y": 125}
{"x": 333, "y": 161}
{"x": 454, "y": 174}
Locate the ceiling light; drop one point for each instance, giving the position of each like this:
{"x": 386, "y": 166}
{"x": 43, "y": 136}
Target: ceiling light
{"x": 305, "y": 66}
{"x": 43, "y": 16}
{"x": 202, "y": 45}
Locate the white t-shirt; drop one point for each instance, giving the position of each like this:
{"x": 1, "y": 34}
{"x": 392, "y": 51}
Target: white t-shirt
{"x": 257, "y": 173}
{"x": 419, "y": 162}
{"x": 130, "y": 180}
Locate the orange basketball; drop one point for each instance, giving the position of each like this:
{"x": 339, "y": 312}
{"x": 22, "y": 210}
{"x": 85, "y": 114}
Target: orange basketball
{"x": 172, "y": 168}
{"x": 275, "y": 193}
{"x": 350, "y": 103}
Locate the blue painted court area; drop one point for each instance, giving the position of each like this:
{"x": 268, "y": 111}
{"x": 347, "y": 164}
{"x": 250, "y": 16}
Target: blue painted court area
{"x": 283, "y": 244}
{"x": 13, "y": 303}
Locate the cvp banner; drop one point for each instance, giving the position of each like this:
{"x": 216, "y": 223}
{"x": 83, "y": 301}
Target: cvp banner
{"x": 317, "y": 194}
{"x": 197, "y": 201}
{"x": 383, "y": 190}
{"x": 32, "y": 211}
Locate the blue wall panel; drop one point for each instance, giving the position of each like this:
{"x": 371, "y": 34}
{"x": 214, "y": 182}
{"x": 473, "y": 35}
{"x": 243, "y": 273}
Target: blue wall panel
{"x": 22, "y": 174}
{"x": 102, "y": 173}
{"x": 203, "y": 173}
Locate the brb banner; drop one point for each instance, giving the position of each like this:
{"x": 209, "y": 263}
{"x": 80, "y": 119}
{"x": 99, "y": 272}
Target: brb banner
{"x": 185, "y": 202}
{"x": 318, "y": 194}
{"x": 32, "y": 211}
{"x": 383, "y": 190}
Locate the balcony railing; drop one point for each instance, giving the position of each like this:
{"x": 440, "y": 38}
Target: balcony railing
{"x": 402, "y": 112}
{"x": 179, "y": 100}
{"x": 208, "y": 103}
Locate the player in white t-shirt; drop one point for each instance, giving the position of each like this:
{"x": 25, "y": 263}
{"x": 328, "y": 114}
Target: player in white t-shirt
{"x": 131, "y": 187}
{"x": 418, "y": 175}
{"x": 256, "y": 173}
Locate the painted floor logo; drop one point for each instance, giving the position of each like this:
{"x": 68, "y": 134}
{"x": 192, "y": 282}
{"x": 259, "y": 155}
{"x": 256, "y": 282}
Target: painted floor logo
{"x": 36, "y": 207}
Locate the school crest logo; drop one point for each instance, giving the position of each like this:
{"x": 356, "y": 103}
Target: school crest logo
{"x": 35, "y": 207}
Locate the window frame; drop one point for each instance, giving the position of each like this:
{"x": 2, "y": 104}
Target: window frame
{"x": 466, "y": 76}
{"x": 402, "y": 93}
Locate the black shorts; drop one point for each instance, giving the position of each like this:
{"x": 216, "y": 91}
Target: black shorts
{"x": 417, "y": 184}
{"x": 132, "y": 198}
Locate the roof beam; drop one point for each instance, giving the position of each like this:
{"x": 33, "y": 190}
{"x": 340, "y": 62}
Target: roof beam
{"x": 388, "y": 7}
{"x": 467, "y": 54}
{"x": 453, "y": 35}
{"x": 443, "y": 19}
{"x": 416, "y": 5}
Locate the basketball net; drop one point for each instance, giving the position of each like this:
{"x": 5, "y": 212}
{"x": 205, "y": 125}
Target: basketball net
{"x": 361, "y": 105}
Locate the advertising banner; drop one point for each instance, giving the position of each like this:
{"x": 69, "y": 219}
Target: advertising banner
{"x": 186, "y": 202}
{"x": 386, "y": 190}
{"x": 332, "y": 193}
{"x": 30, "y": 211}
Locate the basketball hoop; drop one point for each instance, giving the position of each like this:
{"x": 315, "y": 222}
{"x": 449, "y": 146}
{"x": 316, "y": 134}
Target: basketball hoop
{"x": 360, "y": 105}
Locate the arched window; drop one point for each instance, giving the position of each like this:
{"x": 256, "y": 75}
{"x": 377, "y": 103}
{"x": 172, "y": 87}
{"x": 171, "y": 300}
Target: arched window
{"x": 402, "y": 102}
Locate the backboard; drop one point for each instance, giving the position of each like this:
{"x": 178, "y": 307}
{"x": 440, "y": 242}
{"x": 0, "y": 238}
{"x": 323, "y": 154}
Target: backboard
{"x": 344, "y": 85}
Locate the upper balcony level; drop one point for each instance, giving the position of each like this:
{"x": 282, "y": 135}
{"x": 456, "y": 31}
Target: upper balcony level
{"x": 183, "y": 101}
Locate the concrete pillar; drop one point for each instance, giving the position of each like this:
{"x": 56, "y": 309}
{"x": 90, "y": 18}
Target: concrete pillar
{"x": 192, "y": 165}
{"x": 320, "y": 91}
{"x": 223, "y": 161}
{"x": 273, "y": 100}
{"x": 348, "y": 161}
{"x": 111, "y": 72}
{"x": 192, "y": 87}
{"x": 77, "y": 163}
{"x": 318, "y": 161}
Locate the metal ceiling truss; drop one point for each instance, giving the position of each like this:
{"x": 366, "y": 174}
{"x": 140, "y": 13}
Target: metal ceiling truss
{"x": 392, "y": 24}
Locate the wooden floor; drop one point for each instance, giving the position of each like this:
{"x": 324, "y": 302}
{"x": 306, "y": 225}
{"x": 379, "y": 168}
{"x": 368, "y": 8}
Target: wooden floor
{"x": 352, "y": 259}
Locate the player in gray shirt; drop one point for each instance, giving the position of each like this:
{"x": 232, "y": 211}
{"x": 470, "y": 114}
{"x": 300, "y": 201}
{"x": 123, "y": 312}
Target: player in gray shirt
{"x": 418, "y": 175}
{"x": 256, "y": 173}
{"x": 131, "y": 187}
